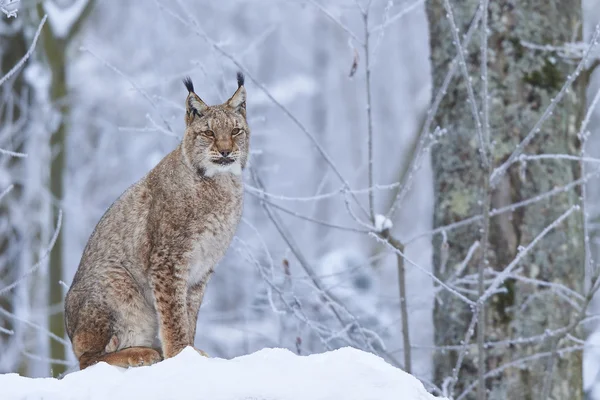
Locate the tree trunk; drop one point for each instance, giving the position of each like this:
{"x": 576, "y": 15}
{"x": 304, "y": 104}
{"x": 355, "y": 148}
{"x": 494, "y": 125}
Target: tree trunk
{"x": 55, "y": 49}
{"x": 522, "y": 83}
{"x": 14, "y": 94}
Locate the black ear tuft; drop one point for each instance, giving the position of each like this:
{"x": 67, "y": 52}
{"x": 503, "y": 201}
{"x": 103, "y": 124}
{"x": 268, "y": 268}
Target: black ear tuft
{"x": 187, "y": 81}
{"x": 240, "y": 78}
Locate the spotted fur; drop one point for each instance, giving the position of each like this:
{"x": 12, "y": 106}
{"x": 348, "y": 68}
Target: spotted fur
{"x": 140, "y": 283}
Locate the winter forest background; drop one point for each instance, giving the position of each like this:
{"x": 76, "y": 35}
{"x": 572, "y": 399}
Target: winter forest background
{"x": 354, "y": 188}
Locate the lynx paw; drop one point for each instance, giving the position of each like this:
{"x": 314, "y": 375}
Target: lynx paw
{"x": 143, "y": 356}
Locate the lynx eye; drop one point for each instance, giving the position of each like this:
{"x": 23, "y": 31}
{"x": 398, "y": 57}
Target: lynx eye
{"x": 236, "y": 131}
{"x": 208, "y": 133}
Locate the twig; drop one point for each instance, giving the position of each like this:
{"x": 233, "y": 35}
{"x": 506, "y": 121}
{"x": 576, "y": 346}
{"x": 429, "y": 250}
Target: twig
{"x": 317, "y": 197}
{"x": 516, "y": 363}
{"x": 403, "y": 296}
{"x": 310, "y": 219}
{"x": 336, "y": 21}
{"x": 499, "y": 171}
{"x": 332, "y": 303}
{"x": 133, "y": 84}
{"x": 502, "y": 276}
{"x": 431, "y": 113}
{"x": 413, "y": 6}
{"x": 428, "y": 273}
{"x": 461, "y": 354}
{"x": 483, "y": 263}
{"x": 196, "y": 28}
{"x": 24, "y": 59}
{"x": 42, "y": 259}
{"x": 7, "y": 331}
{"x": 35, "y": 326}
{"x": 508, "y": 208}
{"x": 369, "y": 113}
{"x": 465, "y": 262}
{"x": 591, "y": 281}
{"x": 463, "y": 66}
{"x": 13, "y": 153}
{"x": 537, "y": 157}
{"x": 6, "y": 191}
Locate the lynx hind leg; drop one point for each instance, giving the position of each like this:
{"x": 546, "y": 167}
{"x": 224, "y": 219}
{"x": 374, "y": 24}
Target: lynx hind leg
{"x": 92, "y": 335}
{"x": 98, "y": 350}
{"x": 94, "y": 341}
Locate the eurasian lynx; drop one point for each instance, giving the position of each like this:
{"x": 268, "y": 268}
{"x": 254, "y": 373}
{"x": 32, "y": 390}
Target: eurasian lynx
{"x": 137, "y": 291}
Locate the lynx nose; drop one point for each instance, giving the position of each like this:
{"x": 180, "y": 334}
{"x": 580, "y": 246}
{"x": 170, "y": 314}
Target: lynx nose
{"x": 225, "y": 153}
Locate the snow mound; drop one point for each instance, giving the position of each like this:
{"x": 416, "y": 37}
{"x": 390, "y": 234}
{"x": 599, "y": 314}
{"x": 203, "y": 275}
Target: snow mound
{"x": 269, "y": 374}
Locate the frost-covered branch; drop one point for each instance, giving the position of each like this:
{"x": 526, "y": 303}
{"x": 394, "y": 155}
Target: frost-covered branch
{"x": 486, "y": 151}
{"x": 133, "y": 84}
{"x": 336, "y": 21}
{"x": 307, "y": 218}
{"x": 509, "y": 208}
{"x": 426, "y": 272}
{"x": 366, "y": 49}
{"x": 196, "y": 28}
{"x": 523, "y": 251}
{"x": 468, "y": 81}
{"x": 24, "y": 59}
{"x": 424, "y": 138}
{"x": 517, "y": 363}
{"x": 396, "y": 17}
{"x": 6, "y": 191}
{"x": 334, "y": 305}
{"x": 396, "y": 244}
{"x": 42, "y": 260}
{"x": 499, "y": 171}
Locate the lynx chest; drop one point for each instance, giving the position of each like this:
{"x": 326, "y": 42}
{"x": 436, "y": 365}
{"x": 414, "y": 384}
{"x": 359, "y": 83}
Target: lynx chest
{"x": 214, "y": 233}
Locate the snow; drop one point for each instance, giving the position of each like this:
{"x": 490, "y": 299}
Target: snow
{"x": 382, "y": 223}
{"x": 9, "y": 8}
{"x": 269, "y": 374}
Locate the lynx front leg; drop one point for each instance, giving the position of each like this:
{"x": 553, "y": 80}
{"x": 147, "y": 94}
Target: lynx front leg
{"x": 194, "y": 301}
{"x": 170, "y": 289}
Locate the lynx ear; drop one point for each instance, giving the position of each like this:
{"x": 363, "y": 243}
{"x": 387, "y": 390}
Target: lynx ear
{"x": 194, "y": 106}
{"x": 237, "y": 102}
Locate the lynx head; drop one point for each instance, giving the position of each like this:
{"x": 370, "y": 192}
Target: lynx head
{"x": 216, "y": 137}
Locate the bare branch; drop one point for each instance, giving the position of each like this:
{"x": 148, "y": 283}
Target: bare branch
{"x": 24, "y": 59}
{"x": 486, "y": 152}
{"x": 369, "y": 114}
{"x": 428, "y": 273}
{"x": 13, "y": 153}
{"x": 6, "y": 191}
{"x": 198, "y": 31}
{"x": 502, "y": 276}
{"x": 431, "y": 113}
{"x": 499, "y": 171}
{"x": 463, "y": 66}
{"x": 42, "y": 259}
{"x": 336, "y": 21}
{"x": 509, "y": 208}
{"x": 133, "y": 84}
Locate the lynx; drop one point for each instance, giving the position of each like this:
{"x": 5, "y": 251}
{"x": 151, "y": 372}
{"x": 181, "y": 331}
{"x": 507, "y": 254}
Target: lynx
{"x": 136, "y": 294}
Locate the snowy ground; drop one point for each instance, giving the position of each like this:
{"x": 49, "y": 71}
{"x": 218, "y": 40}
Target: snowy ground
{"x": 270, "y": 374}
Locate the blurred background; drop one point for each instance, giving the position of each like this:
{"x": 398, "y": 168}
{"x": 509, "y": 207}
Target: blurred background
{"x": 100, "y": 101}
